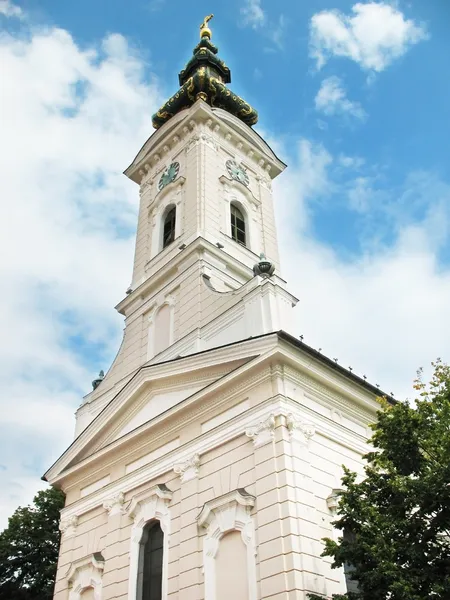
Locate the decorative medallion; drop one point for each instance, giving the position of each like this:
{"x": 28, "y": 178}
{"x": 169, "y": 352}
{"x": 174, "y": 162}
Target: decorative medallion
{"x": 237, "y": 172}
{"x": 169, "y": 175}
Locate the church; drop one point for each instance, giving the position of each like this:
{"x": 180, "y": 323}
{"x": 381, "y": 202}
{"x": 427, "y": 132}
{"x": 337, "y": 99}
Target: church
{"x": 207, "y": 461}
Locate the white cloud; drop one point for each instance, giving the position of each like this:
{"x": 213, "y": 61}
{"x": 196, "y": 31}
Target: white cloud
{"x": 354, "y": 162}
{"x": 253, "y": 14}
{"x": 374, "y": 35}
{"x": 331, "y": 99}
{"x": 9, "y": 9}
{"x": 75, "y": 120}
{"x": 277, "y": 34}
{"x": 384, "y": 311}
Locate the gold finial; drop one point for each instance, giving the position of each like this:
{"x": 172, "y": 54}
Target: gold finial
{"x": 205, "y": 31}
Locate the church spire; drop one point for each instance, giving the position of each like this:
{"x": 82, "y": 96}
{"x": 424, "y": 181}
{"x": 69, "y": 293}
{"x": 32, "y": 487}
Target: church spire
{"x": 204, "y": 78}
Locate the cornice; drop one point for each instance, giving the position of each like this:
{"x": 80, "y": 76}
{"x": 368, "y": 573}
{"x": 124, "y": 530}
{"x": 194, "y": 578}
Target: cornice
{"x": 135, "y": 407}
{"x": 159, "y": 434}
{"x": 214, "y": 438}
{"x": 196, "y": 247}
{"x": 200, "y": 361}
{"x": 228, "y": 132}
{"x": 274, "y": 353}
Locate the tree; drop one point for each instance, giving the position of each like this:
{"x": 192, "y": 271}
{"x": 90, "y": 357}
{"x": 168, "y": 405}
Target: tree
{"x": 397, "y": 518}
{"x": 29, "y": 549}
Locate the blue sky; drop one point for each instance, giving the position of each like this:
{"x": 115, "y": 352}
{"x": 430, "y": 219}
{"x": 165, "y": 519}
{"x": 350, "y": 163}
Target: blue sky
{"x": 354, "y": 97}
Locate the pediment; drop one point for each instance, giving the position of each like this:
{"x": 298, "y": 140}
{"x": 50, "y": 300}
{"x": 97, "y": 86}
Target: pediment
{"x": 153, "y": 391}
{"x": 151, "y": 399}
{"x": 151, "y": 402}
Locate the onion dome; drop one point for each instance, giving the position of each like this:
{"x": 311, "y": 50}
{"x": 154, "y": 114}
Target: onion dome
{"x": 204, "y": 78}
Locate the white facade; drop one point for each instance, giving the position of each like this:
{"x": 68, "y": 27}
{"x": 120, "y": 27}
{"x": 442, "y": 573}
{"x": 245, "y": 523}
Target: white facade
{"x": 211, "y": 421}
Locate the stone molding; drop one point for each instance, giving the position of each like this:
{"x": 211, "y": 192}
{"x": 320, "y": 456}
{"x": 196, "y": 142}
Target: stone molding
{"x": 115, "y": 505}
{"x": 86, "y": 573}
{"x": 129, "y": 413}
{"x": 229, "y": 185}
{"x": 299, "y": 430}
{"x": 333, "y": 501}
{"x": 202, "y": 119}
{"x": 68, "y": 526}
{"x": 233, "y": 428}
{"x": 230, "y": 512}
{"x": 188, "y": 469}
{"x": 263, "y": 432}
{"x": 150, "y": 505}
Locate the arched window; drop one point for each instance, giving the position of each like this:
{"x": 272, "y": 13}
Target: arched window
{"x": 151, "y": 563}
{"x": 352, "y": 584}
{"x": 169, "y": 227}
{"x": 238, "y": 232}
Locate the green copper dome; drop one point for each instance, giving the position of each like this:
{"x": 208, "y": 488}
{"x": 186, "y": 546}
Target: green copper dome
{"x": 204, "y": 78}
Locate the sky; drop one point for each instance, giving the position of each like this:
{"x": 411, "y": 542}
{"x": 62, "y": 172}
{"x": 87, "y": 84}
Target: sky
{"x": 354, "y": 97}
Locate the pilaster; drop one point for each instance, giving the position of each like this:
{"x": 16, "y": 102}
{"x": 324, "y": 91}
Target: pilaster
{"x": 115, "y": 554}
{"x": 190, "y": 579}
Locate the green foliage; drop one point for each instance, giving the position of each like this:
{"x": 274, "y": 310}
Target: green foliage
{"x": 399, "y": 514}
{"x": 29, "y": 549}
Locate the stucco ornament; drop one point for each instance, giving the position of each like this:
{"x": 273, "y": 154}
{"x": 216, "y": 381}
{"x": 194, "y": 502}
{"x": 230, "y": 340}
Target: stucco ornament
{"x": 299, "y": 430}
{"x": 188, "y": 469}
{"x": 262, "y": 433}
{"x": 68, "y": 527}
{"x": 84, "y": 574}
{"x": 333, "y": 500}
{"x": 149, "y": 505}
{"x": 115, "y": 505}
{"x": 230, "y": 512}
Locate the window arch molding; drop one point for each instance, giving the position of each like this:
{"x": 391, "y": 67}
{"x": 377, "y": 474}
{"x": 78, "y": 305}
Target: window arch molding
{"x": 230, "y": 512}
{"x": 86, "y": 573}
{"x": 151, "y": 505}
{"x": 171, "y": 195}
{"x": 239, "y": 195}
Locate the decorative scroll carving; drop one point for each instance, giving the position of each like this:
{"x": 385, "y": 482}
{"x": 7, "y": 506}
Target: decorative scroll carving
{"x": 262, "y": 433}
{"x": 115, "y": 505}
{"x": 188, "y": 469}
{"x": 68, "y": 527}
{"x": 299, "y": 430}
{"x": 333, "y": 501}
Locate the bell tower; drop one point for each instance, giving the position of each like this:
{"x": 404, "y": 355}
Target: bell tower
{"x": 207, "y": 461}
{"x": 206, "y": 221}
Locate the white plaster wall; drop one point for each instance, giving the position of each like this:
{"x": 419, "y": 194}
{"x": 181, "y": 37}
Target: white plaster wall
{"x": 157, "y": 404}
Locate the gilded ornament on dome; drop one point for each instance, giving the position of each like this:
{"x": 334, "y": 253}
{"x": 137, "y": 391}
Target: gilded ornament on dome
{"x": 205, "y": 77}
{"x": 204, "y": 29}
